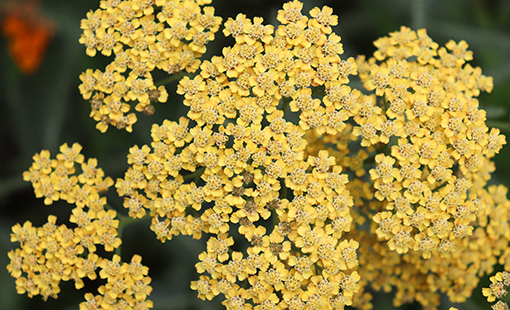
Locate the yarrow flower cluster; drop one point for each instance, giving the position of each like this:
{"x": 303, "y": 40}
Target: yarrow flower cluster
{"x": 248, "y": 168}
{"x": 425, "y": 138}
{"x": 51, "y": 253}
{"x": 309, "y": 192}
{"x": 439, "y": 147}
{"x": 498, "y": 290}
{"x": 144, "y": 35}
{"x": 431, "y": 153}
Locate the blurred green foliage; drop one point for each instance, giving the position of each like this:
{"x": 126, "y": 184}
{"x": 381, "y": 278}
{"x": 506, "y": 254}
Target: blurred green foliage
{"x": 45, "y": 110}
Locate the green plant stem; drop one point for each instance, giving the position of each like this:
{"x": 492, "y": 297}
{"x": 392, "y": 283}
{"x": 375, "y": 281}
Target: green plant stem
{"x": 285, "y": 103}
{"x": 194, "y": 175}
{"x": 123, "y": 222}
{"x": 109, "y": 207}
{"x": 171, "y": 78}
{"x": 435, "y": 190}
{"x": 284, "y": 190}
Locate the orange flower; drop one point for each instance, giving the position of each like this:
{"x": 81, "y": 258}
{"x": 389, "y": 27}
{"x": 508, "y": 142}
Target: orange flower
{"x": 28, "y": 34}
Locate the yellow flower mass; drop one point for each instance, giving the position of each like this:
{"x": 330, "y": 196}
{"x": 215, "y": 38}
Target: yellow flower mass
{"x": 54, "y": 253}
{"x": 327, "y": 191}
{"x": 142, "y": 36}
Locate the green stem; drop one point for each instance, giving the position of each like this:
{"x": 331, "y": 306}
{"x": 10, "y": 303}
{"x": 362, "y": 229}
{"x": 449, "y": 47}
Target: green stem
{"x": 317, "y": 268}
{"x": 435, "y": 190}
{"x": 384, "y": 104}
{"x": 194, "y": 175}
{"x": 109, "y": 207}
{"x": 275, "y": 219}
{"x": 283, "y": 194}
{"x": 123, "y": 222}
{"x": 170, "y": 79}
{"x": 285, "y": 104}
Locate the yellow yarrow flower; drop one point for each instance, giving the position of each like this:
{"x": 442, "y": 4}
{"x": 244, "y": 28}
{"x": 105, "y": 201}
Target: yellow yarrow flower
{"x": 141, "y": 40}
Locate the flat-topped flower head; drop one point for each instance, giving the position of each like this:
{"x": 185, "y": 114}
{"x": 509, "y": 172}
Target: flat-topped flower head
{"x": 236, "y": 159}
{"x": 430, "y": 127}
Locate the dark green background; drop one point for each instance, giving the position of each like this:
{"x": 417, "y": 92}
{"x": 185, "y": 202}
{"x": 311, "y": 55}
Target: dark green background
{"x": 45, "y": 110}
